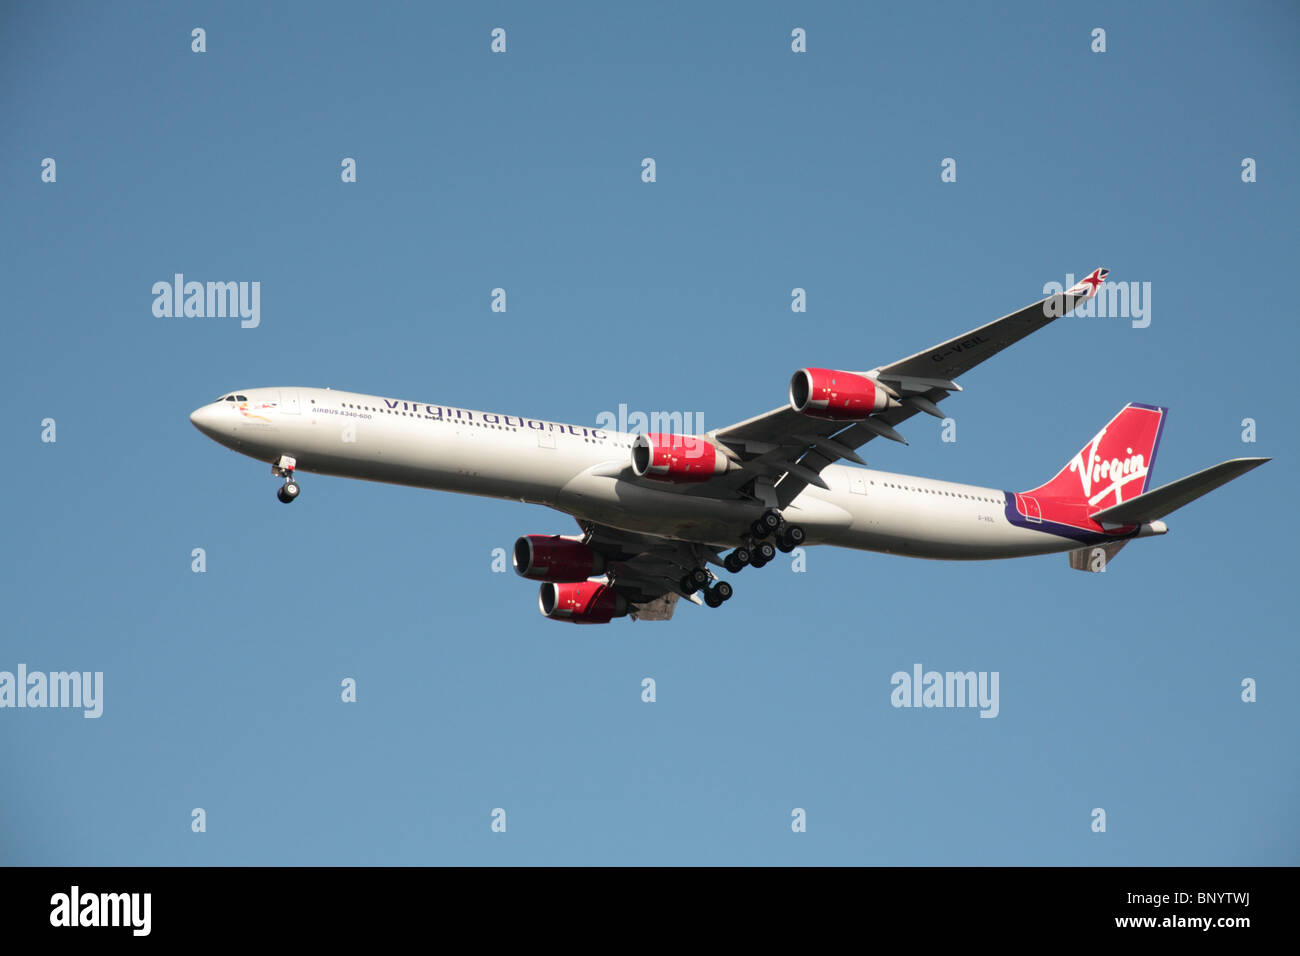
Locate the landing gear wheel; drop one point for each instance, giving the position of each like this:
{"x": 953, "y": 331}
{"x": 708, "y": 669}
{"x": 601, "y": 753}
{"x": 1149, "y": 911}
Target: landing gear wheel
{"x": 764, "y": 551}
{"x": 769, "y": 522}
{"x": 790, "y": 538}
{"x": 688, "y": 584}
{"x": 723, "y": 590}
{"x": 288, "y": 491}
{"x": 712, "y": 599}
{"x": 700, "y": 577}
{"x": 738, "y": 560}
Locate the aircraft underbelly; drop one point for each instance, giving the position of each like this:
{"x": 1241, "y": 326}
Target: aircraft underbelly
{"x": 849, "y": 515}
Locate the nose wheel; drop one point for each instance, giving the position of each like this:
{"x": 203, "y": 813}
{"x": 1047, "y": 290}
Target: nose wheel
{"x": 283, "y": 468}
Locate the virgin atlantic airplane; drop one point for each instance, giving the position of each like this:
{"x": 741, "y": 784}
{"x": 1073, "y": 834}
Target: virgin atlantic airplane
{"x": 657, "y": 510}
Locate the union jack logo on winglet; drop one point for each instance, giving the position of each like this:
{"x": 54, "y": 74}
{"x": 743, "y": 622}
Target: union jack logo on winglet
{"x": 1088, "y": 286}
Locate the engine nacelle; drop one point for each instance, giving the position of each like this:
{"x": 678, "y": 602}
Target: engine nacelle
{"x": 838, "y": 396}
{"x": 589, "y": 602}
{"x": 555, "y": 558}
{"x": 676, "y": 458}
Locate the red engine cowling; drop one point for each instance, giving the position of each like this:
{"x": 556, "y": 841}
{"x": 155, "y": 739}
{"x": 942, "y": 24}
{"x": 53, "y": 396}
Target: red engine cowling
{"x": 838, "y": 396}
{"x": 554, "y": 558}
{"x": 587, "y": 603}
{"x": 676, "y": 458}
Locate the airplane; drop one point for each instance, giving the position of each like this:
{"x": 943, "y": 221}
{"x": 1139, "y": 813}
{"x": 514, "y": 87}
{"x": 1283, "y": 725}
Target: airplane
{"x": 657, "y": 511}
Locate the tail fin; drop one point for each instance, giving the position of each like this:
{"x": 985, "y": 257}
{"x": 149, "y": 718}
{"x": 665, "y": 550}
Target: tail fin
{"x": 1114, "y": 467}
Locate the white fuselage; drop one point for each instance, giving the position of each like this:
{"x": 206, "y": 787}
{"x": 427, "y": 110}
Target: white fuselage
{"x": 585, "y": 472}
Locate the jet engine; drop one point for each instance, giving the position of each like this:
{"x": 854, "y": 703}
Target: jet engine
{"x": 837, "y": 396}
{"x": 555, "y": 558}
{"x": 676, "y": 458}
{"x": 589, "y": 602}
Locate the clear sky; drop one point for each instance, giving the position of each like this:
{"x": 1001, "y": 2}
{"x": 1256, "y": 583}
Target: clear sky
{"x": 775, "y": 170}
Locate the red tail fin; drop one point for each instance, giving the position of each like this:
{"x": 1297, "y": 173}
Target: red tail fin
{"x": 1112, "y": 468}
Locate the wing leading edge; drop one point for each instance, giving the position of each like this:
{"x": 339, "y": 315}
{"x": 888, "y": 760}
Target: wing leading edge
{"x": 782, "y": 451}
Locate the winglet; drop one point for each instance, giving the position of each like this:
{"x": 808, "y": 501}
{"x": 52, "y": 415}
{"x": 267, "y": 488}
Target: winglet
{"x": 1087, "y": 287}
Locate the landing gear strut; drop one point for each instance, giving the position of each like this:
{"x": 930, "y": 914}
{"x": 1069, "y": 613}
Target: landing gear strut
{"x": 283, "y": 468}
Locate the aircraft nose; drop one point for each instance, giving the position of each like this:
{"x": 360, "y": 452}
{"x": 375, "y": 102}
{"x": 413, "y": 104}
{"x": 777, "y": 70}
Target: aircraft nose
{"x": 204, "y": 419}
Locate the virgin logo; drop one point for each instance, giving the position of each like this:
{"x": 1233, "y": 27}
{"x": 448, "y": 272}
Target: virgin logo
{"x": 1118, "y": 471}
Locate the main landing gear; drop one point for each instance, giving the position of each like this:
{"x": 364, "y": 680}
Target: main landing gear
{"x": 283, "y": 468}
{"x": 758, "y": 552}
{"x": 698, "y": 579}
{"x": 755, "y": 552}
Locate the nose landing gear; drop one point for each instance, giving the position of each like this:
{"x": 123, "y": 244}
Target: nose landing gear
{"x": 283, "y": 468}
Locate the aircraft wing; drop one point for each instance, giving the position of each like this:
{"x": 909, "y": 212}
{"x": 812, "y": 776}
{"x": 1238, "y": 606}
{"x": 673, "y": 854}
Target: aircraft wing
{"x": 789, "y": 449}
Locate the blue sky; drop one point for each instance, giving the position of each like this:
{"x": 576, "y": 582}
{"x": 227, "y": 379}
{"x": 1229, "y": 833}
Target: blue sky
{"x": 522, "y": 170}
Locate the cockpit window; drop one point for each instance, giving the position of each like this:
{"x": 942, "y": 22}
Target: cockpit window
{"x": 229, "y": 398}
{"x": 241, "y": 398}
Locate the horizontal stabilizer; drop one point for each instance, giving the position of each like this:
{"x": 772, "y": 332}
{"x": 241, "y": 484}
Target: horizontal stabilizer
{"x": 1167, "y": 498}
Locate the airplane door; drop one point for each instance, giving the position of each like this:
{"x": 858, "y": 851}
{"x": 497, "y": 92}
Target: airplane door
{"x": 545, "y": 440}
{"x": 858, "y": 484}
{"x": 1029, "y": 508}
{"x": 289, "y": 401}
